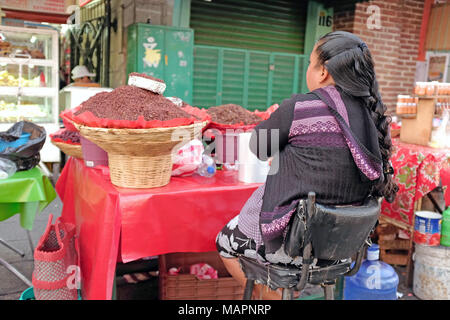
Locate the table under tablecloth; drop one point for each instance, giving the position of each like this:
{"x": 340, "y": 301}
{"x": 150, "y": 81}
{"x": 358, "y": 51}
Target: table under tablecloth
{"x": 25, "y": 193}
{"x": 418, "y": 170}
{"x": 118, "y": 224}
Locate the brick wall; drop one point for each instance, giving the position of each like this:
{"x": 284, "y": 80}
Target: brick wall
{"x": 394, "y": 46}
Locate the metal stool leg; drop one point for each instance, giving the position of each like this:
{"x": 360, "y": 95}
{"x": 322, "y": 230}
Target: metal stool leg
{"x": 16, "y": 272}
{"x": 30, "y": 241}
{"x": 287, "y": 294}
{"x": 328, "y": 289}
{"x": 248, "y": 289}
{"x": 6, "y": 244}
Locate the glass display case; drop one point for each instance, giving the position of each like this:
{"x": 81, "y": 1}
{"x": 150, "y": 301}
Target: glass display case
{"x": 29, "y": 80}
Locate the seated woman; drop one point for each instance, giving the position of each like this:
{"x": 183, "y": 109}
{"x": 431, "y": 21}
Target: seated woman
{"x": 334, "y": 141}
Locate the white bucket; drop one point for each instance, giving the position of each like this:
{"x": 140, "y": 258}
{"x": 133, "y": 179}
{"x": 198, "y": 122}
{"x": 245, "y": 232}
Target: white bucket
{"x": 251, "y": 169}
{"x": 431, "y": 272}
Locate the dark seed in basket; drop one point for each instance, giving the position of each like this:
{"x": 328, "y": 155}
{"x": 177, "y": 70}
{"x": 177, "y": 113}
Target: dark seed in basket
{"x": 67, "y": 135}
{"x": 232, "y": 114}
{"x": 143, "y": 75}
{"x": 130, "y": 102}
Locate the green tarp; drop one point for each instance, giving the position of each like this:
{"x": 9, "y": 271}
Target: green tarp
{"x": 25, "y": 193}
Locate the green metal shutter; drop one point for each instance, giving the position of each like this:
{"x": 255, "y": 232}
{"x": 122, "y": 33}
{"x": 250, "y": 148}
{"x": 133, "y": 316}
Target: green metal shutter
{"x": 247, "y": 52}
{"x": 205, "y": 76}
{"x": 268, "y": 25}
{"x": 252, "y": 79}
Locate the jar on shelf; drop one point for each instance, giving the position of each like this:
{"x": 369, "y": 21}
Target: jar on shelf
{"x": 420, "y": 88}
{"x": 399, "y": 108}
{"x": 402, "y": 104}
{"x": 441, "y": 89}
{"x": 445, "y": 89}
{"x": 439, "y": 105}
{"x": 430, "y": 89}
{"x": 415, "y": 104}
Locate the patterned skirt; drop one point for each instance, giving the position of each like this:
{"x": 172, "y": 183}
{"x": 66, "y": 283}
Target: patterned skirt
{"x": 241, "y": 235}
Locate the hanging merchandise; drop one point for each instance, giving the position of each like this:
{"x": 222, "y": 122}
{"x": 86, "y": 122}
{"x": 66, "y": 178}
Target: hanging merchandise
{"x": 375, "y": 280}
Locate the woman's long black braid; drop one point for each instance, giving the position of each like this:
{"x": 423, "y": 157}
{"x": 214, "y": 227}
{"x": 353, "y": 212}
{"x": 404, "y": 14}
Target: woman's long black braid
{"x": 348, "y": 60}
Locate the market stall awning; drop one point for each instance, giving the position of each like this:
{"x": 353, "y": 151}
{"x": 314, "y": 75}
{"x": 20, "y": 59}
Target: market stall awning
{"x": 50, "y": 11}
{"x": 438, "y": 32}
{"x": 36, "y": 16}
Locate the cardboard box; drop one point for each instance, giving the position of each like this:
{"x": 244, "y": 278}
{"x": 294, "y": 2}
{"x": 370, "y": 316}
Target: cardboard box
{"x": 418, "y": 130}
{"x": 185, "y": 286}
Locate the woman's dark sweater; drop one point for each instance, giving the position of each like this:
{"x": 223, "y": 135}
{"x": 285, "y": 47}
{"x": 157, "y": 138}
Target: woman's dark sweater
{"x": 327, "y": 144}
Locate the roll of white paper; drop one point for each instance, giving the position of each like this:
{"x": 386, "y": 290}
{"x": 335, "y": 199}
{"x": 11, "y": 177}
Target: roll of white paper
{"x": 147, "y": 84}
{"x": 251, "y": 169}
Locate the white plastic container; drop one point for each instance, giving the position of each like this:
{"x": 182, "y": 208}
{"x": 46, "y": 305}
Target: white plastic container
{"x": 251, "y": 169}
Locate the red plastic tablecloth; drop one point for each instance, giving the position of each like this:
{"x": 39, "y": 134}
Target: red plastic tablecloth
{"x": 118, "y": 224}
{"x": 418, "y": 170}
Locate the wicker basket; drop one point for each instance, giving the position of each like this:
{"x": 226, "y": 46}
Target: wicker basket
{"x": 185, "y": 286}
{"x": 73, "y": 150}
{"x": 141, "y": 158}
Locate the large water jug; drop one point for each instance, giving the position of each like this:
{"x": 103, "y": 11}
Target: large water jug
{"x": 375, "y": 280}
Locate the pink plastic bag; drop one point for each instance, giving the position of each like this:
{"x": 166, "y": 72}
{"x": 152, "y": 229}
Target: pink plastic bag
{"x": 188, "y": 158}
{"x": 67, "y": 118}
{"x": 174, "y": 271}
{"x": 203, "y": 271}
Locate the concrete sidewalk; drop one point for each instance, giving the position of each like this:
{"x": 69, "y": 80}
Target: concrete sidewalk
{"x": 12, "y": 287}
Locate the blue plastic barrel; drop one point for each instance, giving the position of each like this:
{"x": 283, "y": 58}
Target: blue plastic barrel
{"x": 375, "y": 280}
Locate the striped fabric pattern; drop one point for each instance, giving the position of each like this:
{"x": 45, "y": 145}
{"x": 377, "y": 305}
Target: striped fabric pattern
{"x": 314, "y": 125}
{"x": 369, "y": 166}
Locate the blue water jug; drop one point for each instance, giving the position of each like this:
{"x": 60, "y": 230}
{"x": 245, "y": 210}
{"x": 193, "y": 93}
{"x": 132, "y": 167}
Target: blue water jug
{"x": 375, "y": 280}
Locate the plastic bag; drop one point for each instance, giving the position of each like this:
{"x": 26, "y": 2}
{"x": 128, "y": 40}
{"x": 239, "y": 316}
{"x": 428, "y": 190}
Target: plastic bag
{"x": 7, "y": 168}
{"x": 266, "y": 114}
{"x": 203, "y": 271}
{"x": 67, "y": 117}
{"x": 188, "y": 158}
{"x": 25, "y": 156}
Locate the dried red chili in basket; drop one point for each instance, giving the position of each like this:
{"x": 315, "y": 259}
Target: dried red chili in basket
{"x": 130, "y": 102}
{"x": 232, "y": 114}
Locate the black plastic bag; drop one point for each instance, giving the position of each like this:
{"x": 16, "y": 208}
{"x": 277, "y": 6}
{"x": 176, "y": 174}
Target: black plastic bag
{"x": 26, "y": 156}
